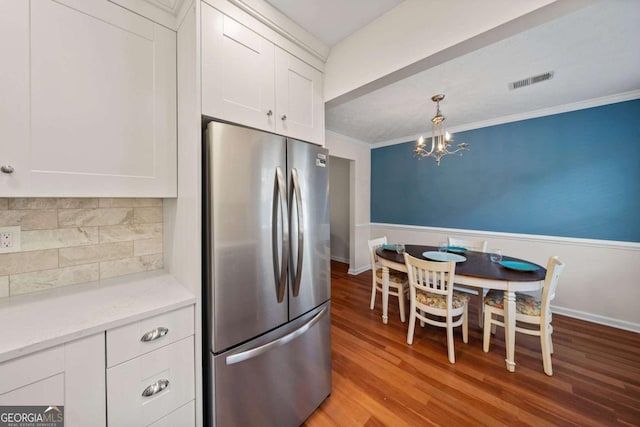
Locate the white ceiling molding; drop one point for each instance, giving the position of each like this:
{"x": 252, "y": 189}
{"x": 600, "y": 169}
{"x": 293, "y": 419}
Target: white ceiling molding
{"x": 276, "y": 21}
{"x": 167, "y": 13}
{"x": 559, "y": 109}
{"x": 171, "y": 6}
{"x": 348, "y": 138}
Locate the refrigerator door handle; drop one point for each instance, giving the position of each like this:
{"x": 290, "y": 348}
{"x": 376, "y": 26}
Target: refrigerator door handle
{"x": 257, "y": 351}
{"x": 280, "y": 200}
{"x": 296, "y": 191}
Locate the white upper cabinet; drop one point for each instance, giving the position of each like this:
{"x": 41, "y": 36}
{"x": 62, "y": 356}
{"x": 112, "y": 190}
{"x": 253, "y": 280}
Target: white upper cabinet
{"x": 298, "y": 99}
{"x": 247, "y": 79}
{"x": 238, "y": 82}
{"x": 99, "y": 85}
{"x": 14, "y": 96}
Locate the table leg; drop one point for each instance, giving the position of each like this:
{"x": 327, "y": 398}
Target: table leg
{"x": 510, "y": 328}
{"x": 385, "y": 293}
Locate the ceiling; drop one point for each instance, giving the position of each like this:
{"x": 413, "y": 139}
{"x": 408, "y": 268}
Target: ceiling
{"x": 593, "y": 53}
{"x": 332, "y": 20}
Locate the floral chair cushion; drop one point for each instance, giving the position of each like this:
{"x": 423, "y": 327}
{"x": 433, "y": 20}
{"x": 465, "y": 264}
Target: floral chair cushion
{"x": 440, "y": 301}
{"x": 525, "y": 304}
{"x": 394, "y": 276}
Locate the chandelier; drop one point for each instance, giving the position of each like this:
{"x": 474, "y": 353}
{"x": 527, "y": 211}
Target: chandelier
{"x": 440, "y": 139}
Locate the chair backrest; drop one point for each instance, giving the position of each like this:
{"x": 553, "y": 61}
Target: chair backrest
{"x": 472, "y": 245}
{"x": 554, "y": 269}
{"x": 373, "y": 245}
{"x": 430, "y": 276}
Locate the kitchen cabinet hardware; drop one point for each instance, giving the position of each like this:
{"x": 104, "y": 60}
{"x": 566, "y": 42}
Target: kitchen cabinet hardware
{"x": 6, "y": 169}
{"x": 156, "y": 387}
{"x": 154, "y": 334}
{"x": 284, "y": 117}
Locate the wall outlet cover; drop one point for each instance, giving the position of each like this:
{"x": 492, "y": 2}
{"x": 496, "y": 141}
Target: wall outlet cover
{"x": 9, "y": 239}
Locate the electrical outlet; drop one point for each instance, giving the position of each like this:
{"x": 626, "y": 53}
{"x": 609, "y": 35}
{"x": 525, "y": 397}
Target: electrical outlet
{"x": 9, "y": 239}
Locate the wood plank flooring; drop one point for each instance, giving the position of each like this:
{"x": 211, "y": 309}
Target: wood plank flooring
{"x": 379, "y": 380}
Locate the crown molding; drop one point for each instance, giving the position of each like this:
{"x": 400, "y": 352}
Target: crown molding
{"x": 267, "y": 16}
{"x": 347, "y": 138}
{"x": 559, "y": 109}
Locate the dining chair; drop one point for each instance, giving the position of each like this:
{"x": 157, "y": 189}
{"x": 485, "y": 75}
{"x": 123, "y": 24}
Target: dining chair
{"x": 398, "y": 283}
{"x": 472, "y": 245}
{"x": 478, "y": 293}
{"x": 431, "y": 297}
{"x": 530, "y": 310}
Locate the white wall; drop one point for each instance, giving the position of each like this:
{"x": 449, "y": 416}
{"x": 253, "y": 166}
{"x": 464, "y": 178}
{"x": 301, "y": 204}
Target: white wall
{"x": 418, "y": 29}
{"x": 599, "y": 282}
{"x": 339, "y": 199}
{"x": 360, "y": 153}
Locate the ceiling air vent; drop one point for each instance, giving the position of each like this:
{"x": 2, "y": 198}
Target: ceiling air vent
{"x": 531, "y": 80}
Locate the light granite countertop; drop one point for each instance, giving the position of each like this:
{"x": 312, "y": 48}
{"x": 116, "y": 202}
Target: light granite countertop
{"x": 33, "y": 322}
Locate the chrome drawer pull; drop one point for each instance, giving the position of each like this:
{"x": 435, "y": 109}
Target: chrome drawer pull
{"x": 155, "y": 334}
{"x": 155, "y": 388}
{"x": 6, "y": 169}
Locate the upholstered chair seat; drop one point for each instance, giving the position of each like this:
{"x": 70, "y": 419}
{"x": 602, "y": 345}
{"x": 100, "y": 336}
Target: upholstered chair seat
{"x": 394, "y": 276}
{"x": 458, "y": 300}
{"x": 525, "y": 304}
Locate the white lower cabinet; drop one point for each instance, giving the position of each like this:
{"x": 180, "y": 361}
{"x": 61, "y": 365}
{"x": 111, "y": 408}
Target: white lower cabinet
{"x": 69, "y": 375}
{"x": 149, "y": 381}
{"x": 150, "y": 371}
{"x": 183, "y": 416}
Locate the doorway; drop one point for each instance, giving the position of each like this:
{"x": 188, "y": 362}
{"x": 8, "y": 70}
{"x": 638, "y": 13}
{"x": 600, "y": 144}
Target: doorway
{"x": 340, "y": 201}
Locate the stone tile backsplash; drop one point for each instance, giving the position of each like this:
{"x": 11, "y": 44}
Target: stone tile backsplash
{"x": 67, "y": 240}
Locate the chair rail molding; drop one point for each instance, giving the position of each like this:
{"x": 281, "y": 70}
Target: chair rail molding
{"x": 573, "y": 241}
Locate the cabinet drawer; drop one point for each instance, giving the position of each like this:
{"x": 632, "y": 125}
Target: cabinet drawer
{"x": 172, "y": 365}
{"x": 129, "y": 341}
{"x": 184, "y": 416}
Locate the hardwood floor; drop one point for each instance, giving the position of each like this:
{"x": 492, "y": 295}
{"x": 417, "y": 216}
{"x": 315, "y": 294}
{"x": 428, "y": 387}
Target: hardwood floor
{"x": 379, "y": 380}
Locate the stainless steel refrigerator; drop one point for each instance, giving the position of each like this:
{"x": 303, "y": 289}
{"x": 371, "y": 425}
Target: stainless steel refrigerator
{"x": 267, "y": 277}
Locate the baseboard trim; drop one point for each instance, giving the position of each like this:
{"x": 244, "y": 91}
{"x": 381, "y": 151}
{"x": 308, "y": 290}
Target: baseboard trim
{"x": 594, "y": 318}
{"x": 340, "y": 259}
{"x": 356, "y": 271}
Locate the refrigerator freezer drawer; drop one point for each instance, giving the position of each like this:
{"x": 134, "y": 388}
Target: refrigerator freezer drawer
{"x": 278, "y": 379}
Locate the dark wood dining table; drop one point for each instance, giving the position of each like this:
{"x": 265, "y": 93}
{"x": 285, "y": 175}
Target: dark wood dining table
{"x": 476, "y": 271}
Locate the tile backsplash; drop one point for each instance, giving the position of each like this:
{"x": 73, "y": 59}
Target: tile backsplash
{"x": 67, "y": 240}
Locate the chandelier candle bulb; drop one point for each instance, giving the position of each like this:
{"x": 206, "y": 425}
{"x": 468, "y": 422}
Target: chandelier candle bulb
{"x": 440, "y": 139}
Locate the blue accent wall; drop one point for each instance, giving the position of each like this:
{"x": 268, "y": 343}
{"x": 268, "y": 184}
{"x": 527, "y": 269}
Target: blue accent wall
{"x": 574, "y": 174}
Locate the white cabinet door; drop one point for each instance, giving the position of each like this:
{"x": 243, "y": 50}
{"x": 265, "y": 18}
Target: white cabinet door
{"x": 101, "y": 97}
{"x": 72, "y": 374}
{"x": 299, "y": 104}
{"x": 14, "y": 95}
{"x": 84, "y": 382}
{"x": 237, "y": 72}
